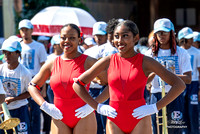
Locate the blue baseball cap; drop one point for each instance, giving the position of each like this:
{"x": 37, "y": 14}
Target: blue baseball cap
{"x": 196, "y": 36}
{"x": 55, "y": 39}
{"x": 26, "y": 24}
{"x": 11, "y": 45}
{"x": 163, "y": 24}
{"x": 186, "y": 33}
{"x": 99, "y": 28}
{"x": 43, "y": 38}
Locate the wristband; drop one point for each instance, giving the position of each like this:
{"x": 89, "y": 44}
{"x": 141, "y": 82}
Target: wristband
{"x": 35, "y": 85}
{"x": 83, "y": 84}
{"x": 80, "y": 82}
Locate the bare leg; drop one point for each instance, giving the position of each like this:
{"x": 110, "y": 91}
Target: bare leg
{"x": 143, "y": 127}
{"x": 87, "y": 125}
{"x": 112, "y": 128}
{"x": 58, "y": 127}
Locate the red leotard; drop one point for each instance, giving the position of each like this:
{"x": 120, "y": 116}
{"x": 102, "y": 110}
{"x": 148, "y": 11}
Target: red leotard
{"x": 61, "y": 81}
{"x": 127, "y": 82}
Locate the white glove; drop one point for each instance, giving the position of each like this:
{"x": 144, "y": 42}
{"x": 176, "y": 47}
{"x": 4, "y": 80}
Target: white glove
{"x": 83, "y": 111}
{"x": 144, "y": 110}
{"x": 106, "y": 110}
{"x": 51, "y": 110}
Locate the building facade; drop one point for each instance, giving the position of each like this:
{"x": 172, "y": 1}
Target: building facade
{"x": 144, "y": 12}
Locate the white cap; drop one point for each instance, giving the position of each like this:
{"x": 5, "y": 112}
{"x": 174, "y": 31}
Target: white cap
{"x": 99, "y": 28}
{"x": 196, "y": 36}
{"x": 89, "y": 41}
{"x": 14, "y": 37}
{"x": 163, "y": 24}
{"x": 186, "y": 33}
{"x": 11, "y": 45}
{"x": 55, "y": 39}
{"x": 26, "y": 24}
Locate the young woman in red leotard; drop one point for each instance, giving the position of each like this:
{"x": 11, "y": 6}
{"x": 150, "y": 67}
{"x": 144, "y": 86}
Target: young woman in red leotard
{"x": 61, "y": 71}
{"x": 127, "y": 76}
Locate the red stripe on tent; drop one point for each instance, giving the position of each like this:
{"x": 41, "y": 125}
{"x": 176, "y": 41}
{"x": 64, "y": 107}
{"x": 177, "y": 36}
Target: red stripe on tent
{"x": 55, "y": 29}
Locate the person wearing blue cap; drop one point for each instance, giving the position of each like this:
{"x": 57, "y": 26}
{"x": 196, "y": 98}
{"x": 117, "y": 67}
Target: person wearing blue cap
{"x": 176, "y": 60}
{"x": 33, "y": 53}
{"x": 15, "y": 78}
{"x": 56, "y": 49}
{"x": 100, "y": 37}
{"x": 45, "y": 41}
{"x": 185, "y": 37}
{"x": 34, "y": 56}
{"x": 196, "y": 39}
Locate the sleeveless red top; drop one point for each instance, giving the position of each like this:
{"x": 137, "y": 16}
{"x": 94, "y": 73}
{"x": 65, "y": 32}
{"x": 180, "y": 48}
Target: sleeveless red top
{"x": 61, "y": 81}
{"x": 62, "y": 75}
{"x": 126, "y": 78}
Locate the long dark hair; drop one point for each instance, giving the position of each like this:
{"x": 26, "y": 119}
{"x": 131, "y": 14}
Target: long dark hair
{"x": 172, "y": 41}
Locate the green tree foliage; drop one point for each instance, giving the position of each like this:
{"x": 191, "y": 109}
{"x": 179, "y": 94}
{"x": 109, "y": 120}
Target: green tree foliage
{"x": 31, "y": 7}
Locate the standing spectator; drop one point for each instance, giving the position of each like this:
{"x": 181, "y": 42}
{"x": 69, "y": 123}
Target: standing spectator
{"x": 15, "y": 78}
{"x": 100, "y": 37}
{"x": 176, "y": 60}
{"x": 127, "y": 76}
{"x": 108, "y": 48}
{"x": 45, "y": 41}
{"x": 185, "y": 37}
{"x": 33, "y": 57}
{"x": 196, "y": 39}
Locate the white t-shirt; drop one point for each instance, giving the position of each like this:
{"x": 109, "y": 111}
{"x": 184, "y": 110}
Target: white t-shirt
{"x": 103, "y": 50}
{"x": 33, "y": 54}
{"x": 107, "y": 49}
{"x": 15, "y": 82}
{"x": 2, "y": 91}
{"x": 178, "y": 63}
{"x": 93, "y": 52}
{"x": 195, "y": 62}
